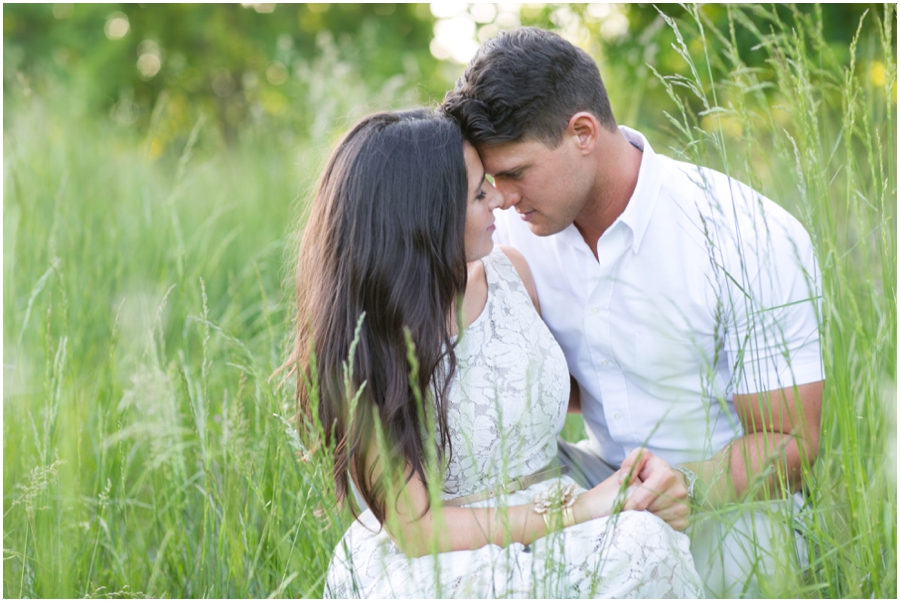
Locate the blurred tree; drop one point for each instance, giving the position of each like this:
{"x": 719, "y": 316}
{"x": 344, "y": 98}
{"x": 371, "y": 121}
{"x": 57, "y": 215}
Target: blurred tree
{"x": 234, "y": 61}
{"x": 628, "y": 39}
{"x": 303, "y": 66}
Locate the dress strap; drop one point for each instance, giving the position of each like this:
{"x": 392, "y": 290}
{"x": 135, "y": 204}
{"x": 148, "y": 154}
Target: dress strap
{"x": 501, "y": 273}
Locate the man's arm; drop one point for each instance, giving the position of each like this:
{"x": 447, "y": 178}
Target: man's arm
{"x": 781, "y": 435}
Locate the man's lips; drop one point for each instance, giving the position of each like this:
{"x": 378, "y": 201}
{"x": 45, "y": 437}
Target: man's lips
{"x": 526, "y": 215}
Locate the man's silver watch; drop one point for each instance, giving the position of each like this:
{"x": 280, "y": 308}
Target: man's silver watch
{"x": 691, "y": 478}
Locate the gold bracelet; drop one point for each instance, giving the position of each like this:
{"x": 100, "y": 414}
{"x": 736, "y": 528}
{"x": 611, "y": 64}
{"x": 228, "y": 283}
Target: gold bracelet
{"x": 551, "y": 522}
{"x": 555, "y": 506}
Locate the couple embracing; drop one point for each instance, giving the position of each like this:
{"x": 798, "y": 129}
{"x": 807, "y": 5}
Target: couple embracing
{"x": 674, "y": 307}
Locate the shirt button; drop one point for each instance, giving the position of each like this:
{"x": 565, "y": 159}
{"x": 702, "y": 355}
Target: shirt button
{"x": 595, "y": 309}
{"x": 617, "y": 416}
{"x": 604, "y": 363}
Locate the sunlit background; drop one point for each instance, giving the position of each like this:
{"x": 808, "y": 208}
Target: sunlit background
{"x": 460, "y": 28}
{"x": 305, "y": 70}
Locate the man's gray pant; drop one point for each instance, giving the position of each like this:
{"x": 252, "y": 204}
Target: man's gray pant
{"x": 731, "y": 549}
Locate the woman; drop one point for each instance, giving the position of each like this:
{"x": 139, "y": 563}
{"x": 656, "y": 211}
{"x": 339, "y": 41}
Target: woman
{"x": 397, "y": 258}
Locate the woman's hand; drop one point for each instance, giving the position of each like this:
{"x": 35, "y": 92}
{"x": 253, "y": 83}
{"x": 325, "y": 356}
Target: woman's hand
{"x": 601, "y": 500}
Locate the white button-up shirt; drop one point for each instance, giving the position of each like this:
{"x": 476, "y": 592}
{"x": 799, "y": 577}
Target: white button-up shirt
{"x": 700, "y": 289}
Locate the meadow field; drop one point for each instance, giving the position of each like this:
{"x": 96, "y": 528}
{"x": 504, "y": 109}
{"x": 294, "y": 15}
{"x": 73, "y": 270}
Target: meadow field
{"x": 147, "y": 301}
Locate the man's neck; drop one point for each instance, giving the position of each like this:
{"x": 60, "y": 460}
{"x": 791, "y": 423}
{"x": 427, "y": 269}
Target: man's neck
{"x": 618, "y": 167}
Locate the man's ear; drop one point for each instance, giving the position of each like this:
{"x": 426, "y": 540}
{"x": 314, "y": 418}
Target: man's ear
{"x": 585, "y": 129}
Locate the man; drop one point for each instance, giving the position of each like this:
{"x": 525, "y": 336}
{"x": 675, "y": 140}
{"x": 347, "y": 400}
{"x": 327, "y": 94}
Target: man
{"x": 685, "y": 302}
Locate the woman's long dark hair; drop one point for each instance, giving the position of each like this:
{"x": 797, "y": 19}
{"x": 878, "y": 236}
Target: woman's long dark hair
{"x": 385, "y": 237}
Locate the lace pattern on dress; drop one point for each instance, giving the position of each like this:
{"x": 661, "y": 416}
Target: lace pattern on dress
{"x": 510, "y": 395}
{"x": 506, "y": 406}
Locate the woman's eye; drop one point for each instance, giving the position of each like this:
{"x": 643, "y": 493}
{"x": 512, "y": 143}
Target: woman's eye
{"x": 480, "y": 196}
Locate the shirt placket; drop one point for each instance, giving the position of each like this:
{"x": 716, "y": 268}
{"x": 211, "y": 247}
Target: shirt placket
{"x": 598, "y": 317}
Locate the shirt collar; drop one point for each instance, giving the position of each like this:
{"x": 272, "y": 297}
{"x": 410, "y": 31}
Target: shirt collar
{"x": 571, "y": 236}
{"x": 640, "y": 206}
{"x": 639, "y": 209}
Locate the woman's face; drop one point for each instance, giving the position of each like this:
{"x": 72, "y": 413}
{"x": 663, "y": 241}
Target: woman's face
{"x": 483, "y": 198}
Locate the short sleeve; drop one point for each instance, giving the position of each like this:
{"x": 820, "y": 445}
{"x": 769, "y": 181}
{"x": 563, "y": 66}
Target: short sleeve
{"x": 771, "y": 306}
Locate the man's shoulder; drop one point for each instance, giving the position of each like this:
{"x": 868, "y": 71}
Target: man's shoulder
{"x": 720, "y": 200}
{"x": 690, "y": 183}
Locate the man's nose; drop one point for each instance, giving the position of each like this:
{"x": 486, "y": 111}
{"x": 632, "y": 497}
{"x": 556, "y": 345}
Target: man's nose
{"x": 510, "y": 197}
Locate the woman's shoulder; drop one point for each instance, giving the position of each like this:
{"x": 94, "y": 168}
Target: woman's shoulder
{"x": 517, "y": 261}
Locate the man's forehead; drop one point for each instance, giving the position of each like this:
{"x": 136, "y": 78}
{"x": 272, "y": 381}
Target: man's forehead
{"x": 507, "y": 156}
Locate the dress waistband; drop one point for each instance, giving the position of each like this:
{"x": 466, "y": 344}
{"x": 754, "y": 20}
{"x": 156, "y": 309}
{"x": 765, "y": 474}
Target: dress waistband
{"x": 548, "y": 472}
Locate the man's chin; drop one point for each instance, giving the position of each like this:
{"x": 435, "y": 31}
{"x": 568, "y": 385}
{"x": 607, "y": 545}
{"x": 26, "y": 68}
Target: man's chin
{"x": 542, "y": 229}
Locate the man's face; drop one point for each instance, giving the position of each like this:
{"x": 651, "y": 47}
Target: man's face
{"x": 547, "y": 186}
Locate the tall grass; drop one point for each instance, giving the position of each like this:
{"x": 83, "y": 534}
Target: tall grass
{"x": 146, "y": 451}
{"x": 819, "y": 136}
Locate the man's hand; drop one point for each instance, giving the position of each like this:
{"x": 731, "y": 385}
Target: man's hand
{"x": 663, "y": 491}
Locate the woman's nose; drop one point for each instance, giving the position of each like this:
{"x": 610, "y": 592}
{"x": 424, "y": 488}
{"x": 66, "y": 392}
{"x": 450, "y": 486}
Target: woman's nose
{"x": 497, "y": 199}
{"x": 508, "y": 196}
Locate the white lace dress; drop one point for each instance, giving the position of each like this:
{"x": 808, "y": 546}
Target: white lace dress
{"x": 507, "y": 405}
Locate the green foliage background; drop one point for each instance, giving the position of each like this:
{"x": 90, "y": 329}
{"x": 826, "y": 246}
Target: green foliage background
{"x": 149, "y": 221}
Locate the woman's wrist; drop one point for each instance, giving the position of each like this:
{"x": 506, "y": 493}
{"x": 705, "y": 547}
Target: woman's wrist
{"x": 596, "y": 502}
{"x": 581, "y": 509}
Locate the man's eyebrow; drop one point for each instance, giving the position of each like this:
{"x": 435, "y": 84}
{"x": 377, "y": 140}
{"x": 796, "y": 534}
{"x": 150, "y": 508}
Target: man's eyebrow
{"x": 507, "y": 172}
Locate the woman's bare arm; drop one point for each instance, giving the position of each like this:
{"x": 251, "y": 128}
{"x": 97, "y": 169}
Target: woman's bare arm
{"x": 418, "y": 529}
